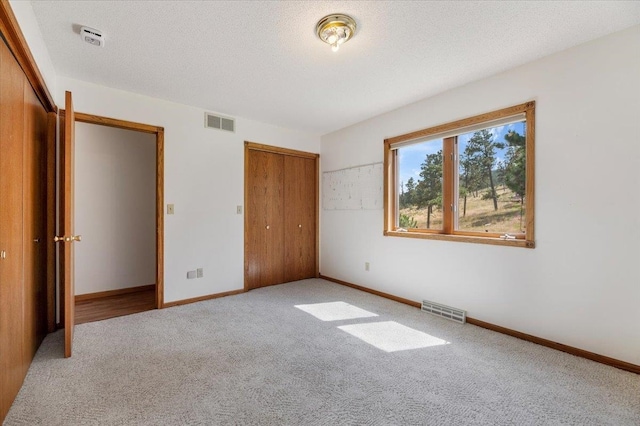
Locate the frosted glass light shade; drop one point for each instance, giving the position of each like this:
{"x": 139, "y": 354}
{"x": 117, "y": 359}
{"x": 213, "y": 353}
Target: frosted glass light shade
{"x": 336, "y": 29}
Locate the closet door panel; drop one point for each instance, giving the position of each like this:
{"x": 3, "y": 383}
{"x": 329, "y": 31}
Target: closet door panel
{"x": 12, "y": 368}
{"x": 35, "y": 136}
{"x": 264, "y": 254}
{"x": 300, "y": 218}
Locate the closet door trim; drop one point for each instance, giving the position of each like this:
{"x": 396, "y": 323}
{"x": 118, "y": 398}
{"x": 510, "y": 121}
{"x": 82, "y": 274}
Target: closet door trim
{"x": 17, "y": 44}
{"x": 277, "y": 150}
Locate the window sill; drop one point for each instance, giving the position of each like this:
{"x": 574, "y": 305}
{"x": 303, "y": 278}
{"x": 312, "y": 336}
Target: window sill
{"x": 462, "y": 239}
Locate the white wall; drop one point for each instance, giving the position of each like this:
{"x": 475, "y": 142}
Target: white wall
{"x": 581, "y": 285}
{"x": 115, "y": 208}
{"x": 204, "y": 178}
{"x": 26, "y": 18}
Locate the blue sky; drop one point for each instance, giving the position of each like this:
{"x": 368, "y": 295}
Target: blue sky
{"x": 411, "y": 157}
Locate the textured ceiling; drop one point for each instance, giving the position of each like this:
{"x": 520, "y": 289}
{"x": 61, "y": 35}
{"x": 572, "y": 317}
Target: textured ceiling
{"x": 262, "y": 60}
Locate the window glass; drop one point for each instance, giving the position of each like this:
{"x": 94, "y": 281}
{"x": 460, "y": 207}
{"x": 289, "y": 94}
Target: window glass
{"x": 491, "y": 180}
{"x": 420, "y": 185}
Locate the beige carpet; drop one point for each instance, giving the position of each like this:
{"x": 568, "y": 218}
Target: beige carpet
{"x": 313, "y": 353}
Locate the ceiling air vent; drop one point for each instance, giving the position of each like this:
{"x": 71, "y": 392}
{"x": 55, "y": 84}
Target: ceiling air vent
{"x": 213, "y": 121}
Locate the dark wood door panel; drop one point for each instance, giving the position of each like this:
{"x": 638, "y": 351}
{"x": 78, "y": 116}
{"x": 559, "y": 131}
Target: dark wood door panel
{"x": 12, "y": 368}
{"x": 34, "y": 202}
{"x": 264, "y": 225}
{"x": 300, "y": 217}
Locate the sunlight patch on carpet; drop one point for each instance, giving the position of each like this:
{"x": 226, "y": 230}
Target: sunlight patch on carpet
{"x": 335, "y": 311}
{"x": 391, "y": 336}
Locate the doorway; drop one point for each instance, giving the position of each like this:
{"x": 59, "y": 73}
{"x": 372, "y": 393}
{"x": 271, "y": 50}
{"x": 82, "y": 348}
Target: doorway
{"x": 119, "y": 208}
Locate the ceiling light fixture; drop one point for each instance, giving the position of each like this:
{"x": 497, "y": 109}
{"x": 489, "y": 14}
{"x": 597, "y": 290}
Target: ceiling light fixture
{"x": 336, "y": 29}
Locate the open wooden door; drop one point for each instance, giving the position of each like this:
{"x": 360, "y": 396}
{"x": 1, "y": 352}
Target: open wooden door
{"x": 66, "y": 223}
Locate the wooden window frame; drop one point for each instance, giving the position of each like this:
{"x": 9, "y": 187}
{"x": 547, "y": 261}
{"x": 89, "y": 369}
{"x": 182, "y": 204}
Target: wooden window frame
{"x": 448, "y": 231}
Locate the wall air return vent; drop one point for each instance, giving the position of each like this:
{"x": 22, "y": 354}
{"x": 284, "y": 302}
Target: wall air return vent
{"x": 219, "y": 122}
{"x": 454, "y": 314}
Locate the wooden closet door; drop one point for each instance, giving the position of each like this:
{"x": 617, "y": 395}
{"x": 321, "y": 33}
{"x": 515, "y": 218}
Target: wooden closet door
{"x": 264, "y": 245}
{"x": 35, "y": 296}
{"x": 12, "y": 368}
{"x": 299, "y": 218}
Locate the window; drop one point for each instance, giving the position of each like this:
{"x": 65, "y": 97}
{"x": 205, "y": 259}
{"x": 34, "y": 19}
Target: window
{"x": 470, "y": 180}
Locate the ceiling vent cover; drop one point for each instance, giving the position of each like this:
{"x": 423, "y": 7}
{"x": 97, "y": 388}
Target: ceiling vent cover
{"x": 213, "y": 121}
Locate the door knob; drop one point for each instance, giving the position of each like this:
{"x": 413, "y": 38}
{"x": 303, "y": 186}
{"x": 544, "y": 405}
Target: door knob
{"x": 36, "y": 240}
{"x": 267, "y": 226}
{"x": 3, "y": 254}
{"x": 76, "y": 238}
{"x": 299, "y": 226}
{"x": 58, "y": 239}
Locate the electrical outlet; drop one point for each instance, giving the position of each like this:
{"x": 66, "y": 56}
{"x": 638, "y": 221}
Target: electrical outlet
{"x": 200, "y": 272}
{"x": 169, "y": 208}
{"x": 238, "y": 209}
{"x": 366, "y": 266}
{"x": 191, "y": 275}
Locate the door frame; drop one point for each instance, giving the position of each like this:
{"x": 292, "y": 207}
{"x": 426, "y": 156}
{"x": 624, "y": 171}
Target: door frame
{"x": 252, "y": 146}
{"x": 159, "y": 134}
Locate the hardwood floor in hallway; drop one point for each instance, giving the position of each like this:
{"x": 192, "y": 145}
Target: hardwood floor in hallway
{"x": 115, "y": 306}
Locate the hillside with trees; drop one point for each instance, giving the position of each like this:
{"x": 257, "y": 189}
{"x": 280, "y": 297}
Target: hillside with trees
{"x": 491, "y": 191}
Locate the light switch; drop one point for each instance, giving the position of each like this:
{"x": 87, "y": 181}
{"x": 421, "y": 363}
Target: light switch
{"x": 169, "y": 208}
{"x": 239, "y": 210}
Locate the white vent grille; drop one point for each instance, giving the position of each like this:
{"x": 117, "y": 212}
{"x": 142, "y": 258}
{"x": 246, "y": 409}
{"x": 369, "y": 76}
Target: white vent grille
{"x": 213, "y": 121}
{"x": 457, "y": 315}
